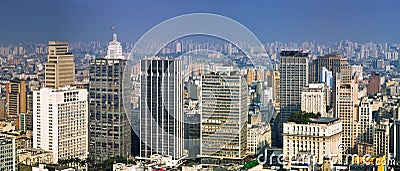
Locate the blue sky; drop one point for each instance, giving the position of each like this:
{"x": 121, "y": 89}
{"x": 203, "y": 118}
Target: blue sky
{"x": 270, "y": 20}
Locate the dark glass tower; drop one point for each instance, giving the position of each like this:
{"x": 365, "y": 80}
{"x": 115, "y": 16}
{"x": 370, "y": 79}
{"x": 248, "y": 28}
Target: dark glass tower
{"x": 110, "y": 131}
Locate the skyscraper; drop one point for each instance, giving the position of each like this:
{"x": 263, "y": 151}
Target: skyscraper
{"x": 346, "y": 103}
{"x": 293, "y": 77}
{"x": 17, "y": 98}
{"x": 374, "y": 84}
{"x": 223, "y": 117}
{"x": 365, "y": 134}
{"x": 276, "y": 85}
{"x": 60, "y": 66}
{"x": 161, "y": 108}
{"x": 60, "y": 119}
{"x": 110, "y": 131}
{"x": 13, "y": 100}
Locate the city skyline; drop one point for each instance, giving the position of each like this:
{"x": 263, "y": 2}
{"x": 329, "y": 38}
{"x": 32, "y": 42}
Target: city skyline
{"x": 270, "y": 21}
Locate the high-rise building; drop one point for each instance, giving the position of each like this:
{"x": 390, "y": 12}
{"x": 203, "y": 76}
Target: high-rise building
{"x": 313, "y": 98}
{"x": 161, "y": 108}
{"x": 331, "y": 62}
{"x": 8, "y": 154}
{"x": 3, "y": 108}
{"x": 365, "y": 134}
{"x": 293, "y": 77}
{"x": 327, "y": 77}
{"x": 382, "y": 137}
{"x": 223, "y": 117}
{"x": 60, "y": 119}
{"x": 17, "y": 98}
{"x": 276, "y": 85}
{"x": 374, "y": 84}
{"x": 346, "y": 104}
{"x": 321, "y": 138}
{"x": 110, "y": 131}
{"x": 312, "y": 72}
{"x": 251, "y": 75}
{"x": 60, "y": 66}
{"x": 395, "y": 139}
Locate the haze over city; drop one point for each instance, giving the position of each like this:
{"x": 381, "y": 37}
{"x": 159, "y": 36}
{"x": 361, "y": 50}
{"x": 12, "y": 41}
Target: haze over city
{"x": 207, "y": 85}
{"x": 287, "y": 20}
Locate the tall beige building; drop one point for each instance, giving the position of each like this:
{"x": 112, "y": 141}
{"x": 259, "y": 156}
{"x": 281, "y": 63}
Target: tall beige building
{"x": 60, "y": 66}
{"x": 346, "y": 104}
{"x": 276, "y": 78}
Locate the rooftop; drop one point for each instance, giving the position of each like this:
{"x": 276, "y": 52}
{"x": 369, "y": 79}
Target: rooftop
{"x": 294, "y": 53}
{"x": 323, "y": 120}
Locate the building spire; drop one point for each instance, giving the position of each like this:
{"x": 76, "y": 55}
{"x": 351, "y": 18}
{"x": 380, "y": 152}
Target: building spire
{"x": 114, "y": 37}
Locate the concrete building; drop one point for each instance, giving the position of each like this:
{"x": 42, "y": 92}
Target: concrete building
{"x": 60, "y": 66}
{"x": 327, "y": 77}
{"x": 365, "y": 134}
{"x": 16, "y": 98}
{"x": 293, "y": 77}
{"x": 224, "y": 118}
{"x": 60, "y": 119}
{"x": 276, "y": 85}
{"x": 31, "y": 156}
{"x": 346, "y": 104}
{"x": 110, "y": 130}
{"x": 374, "y": 84}
{"x": 382, "y": 137}
{"x": 258, "y": 137}
{"x": 3, "y": 108}
{"x": 313, "y": 98}
{"x": 161, "y": 117}
{"x": 320, "y": 137}
{"x": 8, "y": 154}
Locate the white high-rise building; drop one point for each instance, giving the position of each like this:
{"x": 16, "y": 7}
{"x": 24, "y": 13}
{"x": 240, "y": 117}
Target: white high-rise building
{"x": 224, "y": 117}
{"x": 313, "y": 98}
{"x": 161, "y": 108}
{"x": 114, "y": 49}
{"x": 60, "y": 122}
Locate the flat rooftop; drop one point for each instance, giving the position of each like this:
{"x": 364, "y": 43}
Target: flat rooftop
{"x": 323, "y": 120}
{"x": 294, "y": 53}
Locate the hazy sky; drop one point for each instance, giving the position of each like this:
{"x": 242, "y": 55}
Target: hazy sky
{"x": 270, "y": 20}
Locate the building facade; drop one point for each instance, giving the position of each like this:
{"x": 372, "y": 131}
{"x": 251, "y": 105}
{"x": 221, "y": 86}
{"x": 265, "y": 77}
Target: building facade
{"x": 224, "y": 117}
{"x": 161, "y": 117}
{"x": 293, "y": 77}
{"x": 8, "y": 154}
{"x": 346, "y": 104}
{"x": 321, "y": 137}
{"x": 313, "y": 98}
{"x": 110, "y": 130}
{"x": 60, "y": 66}
{"x": 60, "y": 119}
{"x": 365, "y": 133}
